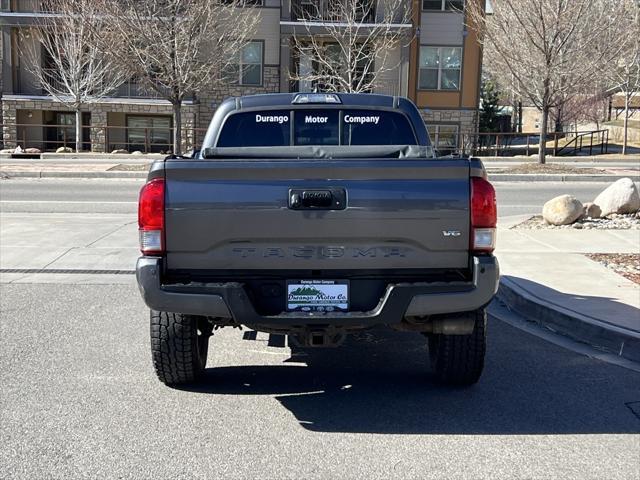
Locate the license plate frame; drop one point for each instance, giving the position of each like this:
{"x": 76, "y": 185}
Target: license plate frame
{"x": 313, "y": 302}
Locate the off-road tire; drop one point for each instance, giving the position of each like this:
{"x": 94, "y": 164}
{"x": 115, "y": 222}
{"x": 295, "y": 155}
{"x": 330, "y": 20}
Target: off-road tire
{"x": 179, "y": 346}
{"x": 459, "y": 359}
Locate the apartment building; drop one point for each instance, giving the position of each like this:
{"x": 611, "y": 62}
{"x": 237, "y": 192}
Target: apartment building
{"x": 438, "y": 67}
{"x": 445, "y": 71}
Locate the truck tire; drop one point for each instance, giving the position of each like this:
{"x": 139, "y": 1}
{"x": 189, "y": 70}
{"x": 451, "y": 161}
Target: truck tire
{"x": 459, "y": 359}
{"x": 179, "y": 346}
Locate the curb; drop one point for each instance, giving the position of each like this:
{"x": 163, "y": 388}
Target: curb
{"x": 582, "y": 328}
{"x": 52, "y": 174}
{"x": 509, "y": 177}
{"x": 496, "y": 177}
{"x": 619, "y": 158}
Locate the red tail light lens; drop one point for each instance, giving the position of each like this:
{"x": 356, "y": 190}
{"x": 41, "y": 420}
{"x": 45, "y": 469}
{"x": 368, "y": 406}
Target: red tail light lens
{"x": 151, "y": 217}
{"x": 484, "y": 215}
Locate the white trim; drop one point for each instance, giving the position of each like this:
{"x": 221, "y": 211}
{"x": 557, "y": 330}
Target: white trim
{"x": 343, "y": 24}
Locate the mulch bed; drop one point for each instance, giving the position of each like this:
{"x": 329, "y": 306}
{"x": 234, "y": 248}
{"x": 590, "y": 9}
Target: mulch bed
{"x": 532, "y": 168}
{"x": 625, "y": 264}
{"x": 612, "y": 222}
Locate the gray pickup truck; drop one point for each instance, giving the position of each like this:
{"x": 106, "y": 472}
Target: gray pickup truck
{"x": 317, "y": 215}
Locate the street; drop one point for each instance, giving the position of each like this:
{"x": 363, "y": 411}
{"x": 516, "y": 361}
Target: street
{"x": 80, "y": 399}
{"x": 121, "y": 196}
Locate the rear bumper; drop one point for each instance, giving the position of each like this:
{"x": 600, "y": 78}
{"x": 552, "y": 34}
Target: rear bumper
{"x": 230, "y": 301}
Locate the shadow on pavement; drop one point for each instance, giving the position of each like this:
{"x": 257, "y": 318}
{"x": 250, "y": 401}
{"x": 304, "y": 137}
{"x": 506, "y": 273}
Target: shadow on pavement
{"x": 379, "y": 382}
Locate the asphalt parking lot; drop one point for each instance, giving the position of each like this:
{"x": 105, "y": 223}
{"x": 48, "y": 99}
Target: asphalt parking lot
{"x": 80, "y": 400}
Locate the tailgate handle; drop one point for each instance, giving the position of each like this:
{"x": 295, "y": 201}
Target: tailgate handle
{"x": 317, "y": 199}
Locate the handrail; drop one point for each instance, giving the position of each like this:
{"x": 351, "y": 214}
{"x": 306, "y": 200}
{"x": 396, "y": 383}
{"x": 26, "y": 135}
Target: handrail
{"x": 506, "y": 144}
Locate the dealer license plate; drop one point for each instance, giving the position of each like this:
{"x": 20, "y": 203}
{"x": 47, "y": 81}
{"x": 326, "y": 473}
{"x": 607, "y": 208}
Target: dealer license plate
{"x": 318, "y": 295}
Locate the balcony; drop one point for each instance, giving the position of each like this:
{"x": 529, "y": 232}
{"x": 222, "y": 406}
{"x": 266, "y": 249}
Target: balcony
{"x": 28, "y": 85}
{"x": 331, "y": 11}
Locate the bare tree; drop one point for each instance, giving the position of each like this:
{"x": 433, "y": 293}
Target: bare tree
{"x": 546, "y": 49}
{"x": 623, "y": 73}
{"x": 584, "y": 108}
{"x": 179, "y": 47}
{"x": 65, "y": 59}
{"x": 354, "y": 51}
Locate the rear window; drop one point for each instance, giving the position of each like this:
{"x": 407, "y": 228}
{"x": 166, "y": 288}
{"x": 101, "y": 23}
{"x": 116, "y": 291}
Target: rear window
{"x": 367, "y": 127}
{"x": 316, "y": 127}
{"x": 257, "y": 129}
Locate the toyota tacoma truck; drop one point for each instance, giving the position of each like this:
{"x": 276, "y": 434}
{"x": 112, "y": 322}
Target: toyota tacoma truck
{"x": 314, "y": 216}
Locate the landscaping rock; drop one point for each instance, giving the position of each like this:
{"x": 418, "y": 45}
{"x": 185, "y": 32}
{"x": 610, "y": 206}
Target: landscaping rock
{"x": 621, "y": 197}
{"x": 33, "y": 150}
{"x": 120, "y": 151}
{"x": 562, "y": 210}
{"x": 64, "y": 150}
{"x": 620, "y": 222}
{"x": 591, "y": 210}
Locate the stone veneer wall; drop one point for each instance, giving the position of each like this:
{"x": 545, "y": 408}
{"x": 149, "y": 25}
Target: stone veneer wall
{"x": 209, "y": 101}
{"x": 99, "y": 112}
{"x": 1, "y": 87}
{"x": 467, "y": 120}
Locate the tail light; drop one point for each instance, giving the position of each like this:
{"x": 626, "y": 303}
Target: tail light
{"x": 484, "y": 215}
{"x": 151, "y": 217}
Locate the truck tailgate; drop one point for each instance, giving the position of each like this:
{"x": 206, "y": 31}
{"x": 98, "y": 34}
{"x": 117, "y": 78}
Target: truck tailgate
{"x": 236, "y": 215}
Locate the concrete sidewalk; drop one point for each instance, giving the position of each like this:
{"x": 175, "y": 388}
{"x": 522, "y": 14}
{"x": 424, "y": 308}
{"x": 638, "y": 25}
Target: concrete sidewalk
{"x": 547, "y": 279}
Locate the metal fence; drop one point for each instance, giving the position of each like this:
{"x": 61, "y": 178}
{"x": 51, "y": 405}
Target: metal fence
{"x": 50, "y": 137}
{"x": 558, "y": 143}
{"x": 327, "y": 10}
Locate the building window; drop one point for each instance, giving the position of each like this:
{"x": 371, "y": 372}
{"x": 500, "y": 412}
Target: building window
{"x": 444, "y": 138}
{"x": 149, "y": 133}
{"x": 60, "y": 130}
{"x": 441, "y": 5}
{"x": 250, "y": 67}
{"x": 440, "y": 68}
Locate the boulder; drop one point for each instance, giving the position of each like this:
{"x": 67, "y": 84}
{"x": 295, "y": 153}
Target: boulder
{"x": 137, "y": 152}
{"x": 591, "y": 210}
{"x": 64, "y": 150}
{"x": 621, "y": 197}
{"x": 33, "y": 150}
{"x": 120, "y": 151}
{"x": 562, "y": 210}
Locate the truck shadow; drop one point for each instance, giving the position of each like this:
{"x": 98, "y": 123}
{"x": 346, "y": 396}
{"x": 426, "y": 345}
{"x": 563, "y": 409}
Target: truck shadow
{"x": 380, "y": 383}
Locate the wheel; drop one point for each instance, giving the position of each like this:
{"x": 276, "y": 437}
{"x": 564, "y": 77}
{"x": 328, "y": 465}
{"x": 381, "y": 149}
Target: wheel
{"x": 179, "y": 346}
{"x": 459, "y": 359}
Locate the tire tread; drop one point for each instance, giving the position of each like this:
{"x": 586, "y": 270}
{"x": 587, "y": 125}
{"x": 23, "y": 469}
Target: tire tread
{"x": 459, "y": 359}
{"x": 174, "y": 347}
